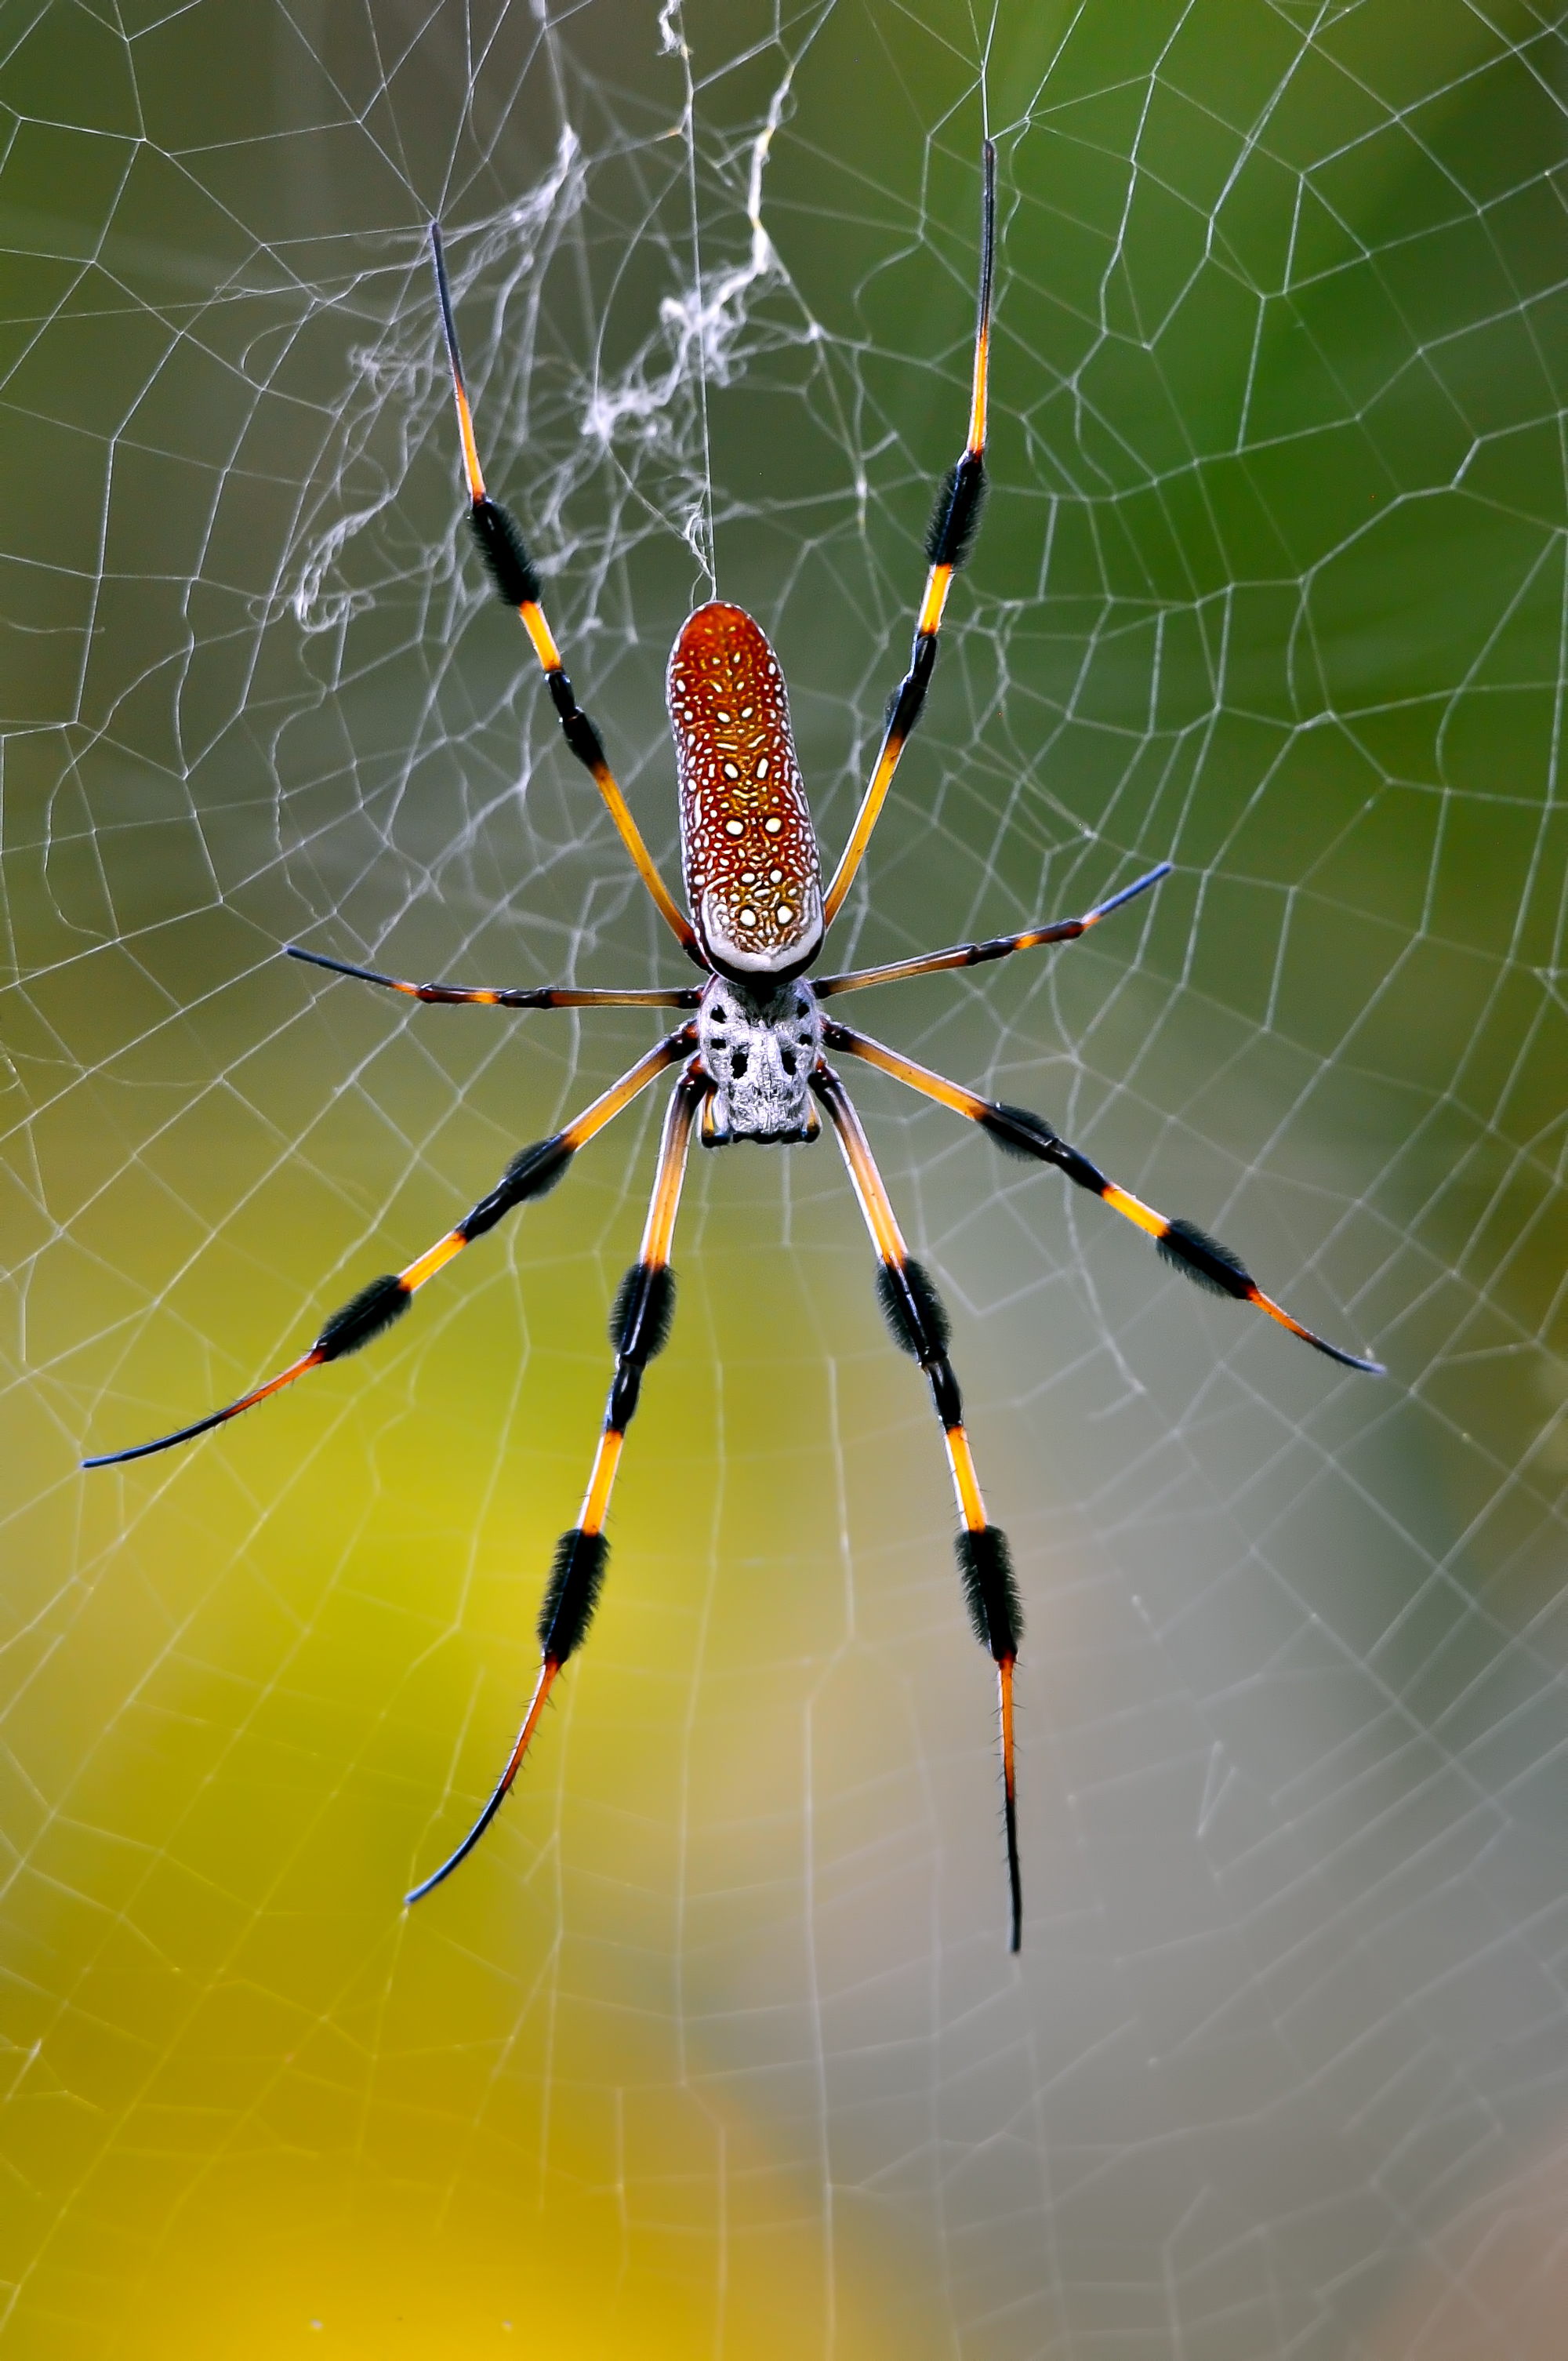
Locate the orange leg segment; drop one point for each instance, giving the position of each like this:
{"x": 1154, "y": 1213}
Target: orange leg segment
{"x": 517, "y": 580}
{"x": 1014, "y": 1129}
{"x": 919, "y": 1326}
{"x": 948, "y": 539}
{"x": 639, "y": 1327}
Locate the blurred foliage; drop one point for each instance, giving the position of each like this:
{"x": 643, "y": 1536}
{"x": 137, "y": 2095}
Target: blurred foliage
{"x": 715, "y": 2045}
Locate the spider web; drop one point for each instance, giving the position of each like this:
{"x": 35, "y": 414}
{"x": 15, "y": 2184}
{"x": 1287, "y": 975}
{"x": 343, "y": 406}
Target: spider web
{"x": 715, "y": 2045}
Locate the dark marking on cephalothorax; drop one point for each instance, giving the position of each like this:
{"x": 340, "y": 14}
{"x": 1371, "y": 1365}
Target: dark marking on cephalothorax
{"x": 758, "y": 1047}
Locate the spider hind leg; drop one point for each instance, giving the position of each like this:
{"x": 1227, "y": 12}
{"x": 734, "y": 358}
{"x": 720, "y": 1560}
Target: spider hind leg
{"x": 1017, "y": 1132}
{"x": 918, "y": 1323}
{"x": 639, "y": 1329}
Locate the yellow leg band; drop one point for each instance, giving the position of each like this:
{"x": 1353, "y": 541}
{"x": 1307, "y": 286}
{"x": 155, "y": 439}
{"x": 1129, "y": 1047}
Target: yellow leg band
{"x": 539, "y": 632}
{"x": 937, "y": 584}
{"x": 596, "y": 1500}
{"x": 434, "y": 1259}
{"x": 977, "y": 401}
{"x": 966, "y": 1483}
{"x": 1137, "y": 1211}
{"x": 1004, "y": 1690}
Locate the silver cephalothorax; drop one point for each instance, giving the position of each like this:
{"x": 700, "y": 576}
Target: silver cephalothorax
{"x": 760, "y": 1052}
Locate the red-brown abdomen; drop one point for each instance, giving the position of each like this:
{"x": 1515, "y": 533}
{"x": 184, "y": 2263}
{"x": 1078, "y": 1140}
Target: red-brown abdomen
{"x": 753, "y": 875}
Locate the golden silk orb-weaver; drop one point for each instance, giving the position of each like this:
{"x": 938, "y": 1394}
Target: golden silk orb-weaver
{"x": 752, "y": 1044}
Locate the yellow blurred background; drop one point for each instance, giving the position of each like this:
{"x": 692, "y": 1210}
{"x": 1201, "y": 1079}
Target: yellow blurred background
{"x": 715, "y": 2045}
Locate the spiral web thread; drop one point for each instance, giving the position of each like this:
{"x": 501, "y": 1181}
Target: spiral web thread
{"x": 1272, "y": 585}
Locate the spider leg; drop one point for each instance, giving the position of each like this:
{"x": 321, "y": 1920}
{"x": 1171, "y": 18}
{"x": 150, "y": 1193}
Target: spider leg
{"x": 948, "y": 539}
{"x": 639, "y": 1328}
{"x": 1065, "y": 930}
{"x": 920, "y": 1326}
{"x": 1014, "y": 1129}
{"x": 531, "y": 1173}
{"x": 516, "y": 578}
{"x": 550, "y": 996}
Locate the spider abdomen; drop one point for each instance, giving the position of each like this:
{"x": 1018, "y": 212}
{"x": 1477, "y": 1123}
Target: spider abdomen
{"x": 752, "y": 872}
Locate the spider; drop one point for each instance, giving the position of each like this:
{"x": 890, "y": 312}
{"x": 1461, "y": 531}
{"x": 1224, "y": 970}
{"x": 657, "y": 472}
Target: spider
{"x": 752, "y": 1044}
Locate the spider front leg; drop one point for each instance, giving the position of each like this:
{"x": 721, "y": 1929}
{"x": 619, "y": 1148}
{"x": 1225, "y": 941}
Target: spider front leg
{"x": 950, "y": 536}
{"x": 920, "y": 1326}
{"x": 639, "y": 1328}
{"x": 516, "y": 578}
{"x": 532, "y": 1173}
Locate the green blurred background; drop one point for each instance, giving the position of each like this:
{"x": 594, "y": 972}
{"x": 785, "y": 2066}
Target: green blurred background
{"x": 715, "y": 2046}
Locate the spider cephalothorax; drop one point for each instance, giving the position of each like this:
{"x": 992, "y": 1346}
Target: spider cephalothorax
{"x": 759, "y": 1048}
{"x": 750, "y": 1042}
